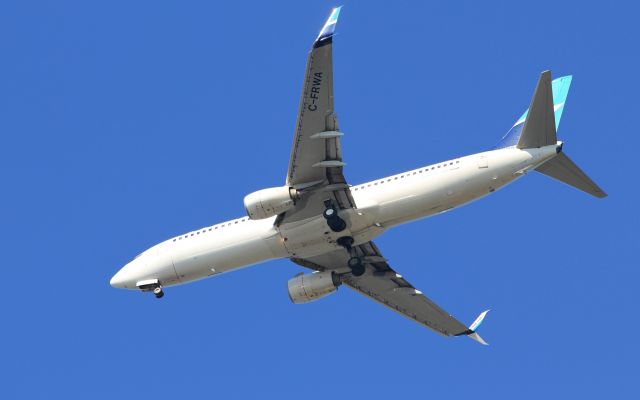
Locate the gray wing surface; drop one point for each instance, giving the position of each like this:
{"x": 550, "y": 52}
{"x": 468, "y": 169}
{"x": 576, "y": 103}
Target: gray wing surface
{"x": 316, "y": 156}
{"x": 384, "y": 285}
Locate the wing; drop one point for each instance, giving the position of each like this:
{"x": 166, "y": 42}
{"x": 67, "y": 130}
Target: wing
{"x": 384, "y": 285}
{"x": 316, "y": 158}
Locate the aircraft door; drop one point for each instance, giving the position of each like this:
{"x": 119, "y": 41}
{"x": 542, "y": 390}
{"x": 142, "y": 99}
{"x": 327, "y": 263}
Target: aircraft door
{"x": 483, "y": 162}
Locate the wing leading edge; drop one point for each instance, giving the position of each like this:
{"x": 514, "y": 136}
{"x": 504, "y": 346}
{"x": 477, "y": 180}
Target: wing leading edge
{"x": 384, "y": 285}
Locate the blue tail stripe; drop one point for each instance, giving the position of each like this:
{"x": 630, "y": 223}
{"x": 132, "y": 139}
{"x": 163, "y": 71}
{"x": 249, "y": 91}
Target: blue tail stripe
{"x": 330, "y": 26}
{"x": 560, "y": 87}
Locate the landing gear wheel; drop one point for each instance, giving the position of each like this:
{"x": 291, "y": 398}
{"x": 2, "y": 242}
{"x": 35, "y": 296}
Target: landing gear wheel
{"x": 357, "y": 268}
{"x": 336, "y": 223}
{"x": 329, "y": 213}
{"x": 346, "y": 242}
{"x": 158, "y": 292}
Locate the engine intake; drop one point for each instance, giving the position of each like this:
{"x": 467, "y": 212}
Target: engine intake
{"x": 304, "y": 288}
{"x": 269, "y": 202}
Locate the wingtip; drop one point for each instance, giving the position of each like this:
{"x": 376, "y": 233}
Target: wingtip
{"x": 477, "y": 338}
{"x": 476, "y": 324}
{"x": 329, "y": 26}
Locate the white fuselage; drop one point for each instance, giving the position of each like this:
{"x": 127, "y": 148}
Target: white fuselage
{"x": 381, "y": 204}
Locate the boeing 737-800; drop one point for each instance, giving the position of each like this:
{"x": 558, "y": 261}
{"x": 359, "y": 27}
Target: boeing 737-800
{"x": 321, "y": 222}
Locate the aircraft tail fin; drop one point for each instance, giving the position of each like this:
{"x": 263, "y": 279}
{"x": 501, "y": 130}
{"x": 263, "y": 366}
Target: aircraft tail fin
{"x": 539, "y": 126}
{"x": 563, "y": 169}
{"x": 548, "y": 100}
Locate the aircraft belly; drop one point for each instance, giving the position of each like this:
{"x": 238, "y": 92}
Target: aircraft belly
{"x": 310, "y": 236}
{"x": 424, "y": 196}
{"x": 313, "y": 236}
{"x": 224, "y": 252}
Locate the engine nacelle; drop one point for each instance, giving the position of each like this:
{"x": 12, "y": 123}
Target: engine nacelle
{"x": 304, "y": 288}
{"x": 266, "y": 203}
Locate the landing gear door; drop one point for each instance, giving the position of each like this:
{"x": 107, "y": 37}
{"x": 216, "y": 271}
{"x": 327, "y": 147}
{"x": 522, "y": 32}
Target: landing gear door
{"x": 483, "y": 162}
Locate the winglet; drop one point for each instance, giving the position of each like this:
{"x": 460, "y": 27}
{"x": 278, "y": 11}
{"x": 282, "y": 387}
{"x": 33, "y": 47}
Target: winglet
{"x": 477, "y": 338}
{"x": 328, "y": 28}
{"x": 474, "y": 326}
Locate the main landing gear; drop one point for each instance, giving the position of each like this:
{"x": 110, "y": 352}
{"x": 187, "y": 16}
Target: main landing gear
{"x": 355, "y": 262}
{"x": 357, "y": 268}
{"x": 336, "y": 223}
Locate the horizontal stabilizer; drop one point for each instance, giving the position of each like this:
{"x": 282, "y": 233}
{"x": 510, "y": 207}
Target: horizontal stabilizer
{"x": 563, "y": 169}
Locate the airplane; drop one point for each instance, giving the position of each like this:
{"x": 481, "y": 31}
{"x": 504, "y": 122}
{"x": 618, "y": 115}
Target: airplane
{"x": 319, "y": 221}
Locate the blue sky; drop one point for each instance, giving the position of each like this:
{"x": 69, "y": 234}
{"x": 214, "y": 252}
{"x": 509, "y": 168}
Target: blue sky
{"x": 124, "y": 123}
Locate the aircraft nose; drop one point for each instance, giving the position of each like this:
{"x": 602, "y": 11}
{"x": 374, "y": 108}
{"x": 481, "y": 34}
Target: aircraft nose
{"x": 124, "y": 278}
{"x": 117, "y": 281}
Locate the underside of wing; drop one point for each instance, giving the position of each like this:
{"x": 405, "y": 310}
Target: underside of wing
{"x": 316, "y": 158}
{"x": 384, "y": 285}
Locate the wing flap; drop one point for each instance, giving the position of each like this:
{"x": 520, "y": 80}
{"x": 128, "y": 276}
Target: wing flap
{"x": 384, "y": 285}
{"x": 407, "y": 301}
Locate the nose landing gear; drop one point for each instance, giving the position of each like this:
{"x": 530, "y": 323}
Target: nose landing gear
{"x": 151, "y": 285}
{"x": 158, "y": 292}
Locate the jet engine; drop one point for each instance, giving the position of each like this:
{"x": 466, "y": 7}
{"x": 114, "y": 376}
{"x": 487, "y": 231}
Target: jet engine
{"x": 266, "y": 203}
{"x": 304, "y": 288}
